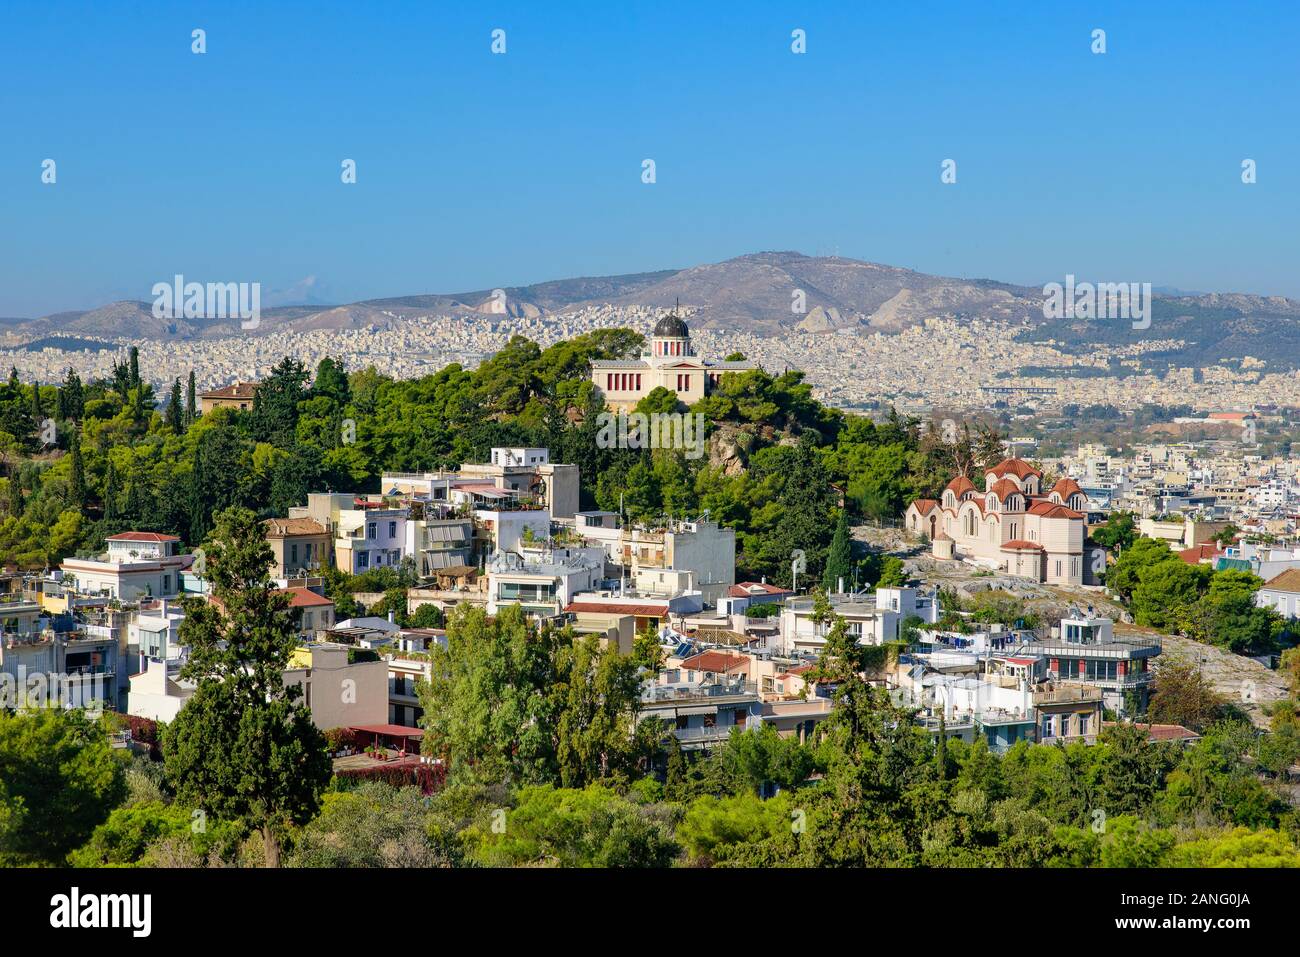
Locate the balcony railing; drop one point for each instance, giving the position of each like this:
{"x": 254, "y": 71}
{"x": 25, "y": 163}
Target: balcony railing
{"x": 658, "y": 694}
{"x": 955, "y": 723}
{"x": 1117, "y": 649}
{"x": 1067, "y": 695}
{"x": 696, "y": 735}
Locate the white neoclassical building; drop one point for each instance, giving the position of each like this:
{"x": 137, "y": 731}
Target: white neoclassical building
{"x": 1013, "y": 525}
{"x": 670, "y": 362}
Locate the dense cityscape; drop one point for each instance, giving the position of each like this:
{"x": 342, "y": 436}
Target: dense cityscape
{"x": 451, "y": 456}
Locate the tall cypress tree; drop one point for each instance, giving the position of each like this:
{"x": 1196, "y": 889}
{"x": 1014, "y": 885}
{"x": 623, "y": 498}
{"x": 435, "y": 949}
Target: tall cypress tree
{"x": 15, "y": 495}
{"x": 135, "y": 367}
{"x": 839, "y": 560}
{"x": 174, "y": 407}
{"x": 191, "y": 410}
{"x": 110, "y": 493}
{"x": 74, "y": 396}
{"x": 37, "y": 412}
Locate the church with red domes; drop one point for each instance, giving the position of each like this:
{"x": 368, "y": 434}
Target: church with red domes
{"x": 1013, "y": 525}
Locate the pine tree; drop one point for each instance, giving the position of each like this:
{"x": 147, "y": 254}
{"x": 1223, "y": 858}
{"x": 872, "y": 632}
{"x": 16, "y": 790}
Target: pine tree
{"x": 77, "y": 492}
{"x": 174, "y": 408}
{"x": 191, "y": 410}
{"x": 839, "y": 560}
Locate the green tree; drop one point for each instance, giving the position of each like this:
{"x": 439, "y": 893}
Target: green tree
{"x": 375, "y": 825}
{"x": 426, "y": 616}
{"x": 840, "y": 558}
{"x": 588, "y": 827}
{"x": 110, "y": 492}
{"x": 174, "y": 417}
{"x": 331, "y": 381}
{"x": 243, "y": 747}
{"x": 191, "y": 408}
{"x": 77, "y": 488}
{"x": 275, "y": 403}
{"x": 61, "y": 780}
{"x": 72, "y": 397}
{"x": 1182, "y": 695}
{"x": 1117, "y": 533}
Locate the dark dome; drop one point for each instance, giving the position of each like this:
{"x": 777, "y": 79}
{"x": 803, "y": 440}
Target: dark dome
{"x": 671, "y": 326}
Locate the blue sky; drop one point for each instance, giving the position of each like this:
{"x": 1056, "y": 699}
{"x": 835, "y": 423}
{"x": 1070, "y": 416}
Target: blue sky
{"x": 477, "y": 170}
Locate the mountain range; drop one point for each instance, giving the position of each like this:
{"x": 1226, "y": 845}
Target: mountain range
{"x": 758, "y": 293}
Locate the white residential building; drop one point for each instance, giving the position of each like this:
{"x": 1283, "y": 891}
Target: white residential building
{"x": 137, "y": 565}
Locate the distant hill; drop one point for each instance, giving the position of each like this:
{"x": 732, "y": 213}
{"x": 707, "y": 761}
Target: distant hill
{"x": 755, "y": 293}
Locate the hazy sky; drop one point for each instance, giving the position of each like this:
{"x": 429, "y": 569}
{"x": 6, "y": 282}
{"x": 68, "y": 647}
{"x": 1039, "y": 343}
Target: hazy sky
{"x": 477, "y": 170}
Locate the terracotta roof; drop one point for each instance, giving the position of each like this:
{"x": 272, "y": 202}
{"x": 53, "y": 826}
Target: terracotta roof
{"x": 1017, "y": 467}
{"x": 959, "y": 486}
{"x": 236, "y": 390}
{"x": 1170, "y": 732}
{"x": 1004, "y": 487}
{"x": 1052, "y": 510}
{"x": 279, "y": 527}
{"x": 1162, "y": 732}
{"x": 1289, "y": 580}
{"x": 1022, "y": 545}
{"x": 141, "y": 537}
{"x": 1200, "y": 553}
{"x": 300, "y": 597}
{"x": 644, "y": 609}
{"x": 1066, "y": 487}
{"x": 924, "y": 505}
{"x": 748, "y": 589}
{"x": 716, "y": 661}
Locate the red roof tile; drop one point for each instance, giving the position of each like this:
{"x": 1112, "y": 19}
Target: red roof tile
{"x": 959, "y": 486}
{"x": 300, "y": 597}
{"x": 1017, "y": 467}
{"x": 749, "y": 589}
{"x": 1003, "y": 488}
{"x": 645, "y": 610}
{"x": 1199, "y": 553}
{"x": 716, "y": 661}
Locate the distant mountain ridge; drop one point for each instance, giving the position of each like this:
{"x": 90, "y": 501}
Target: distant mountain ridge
{"x": 756, "y": 293}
